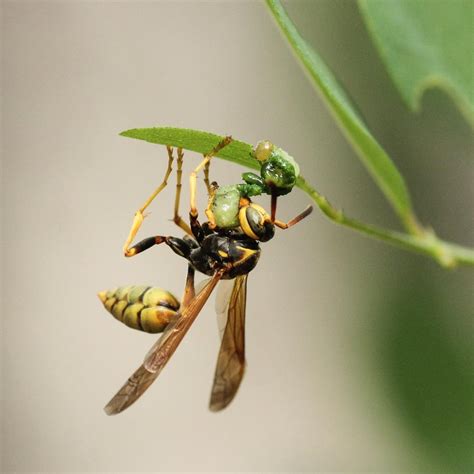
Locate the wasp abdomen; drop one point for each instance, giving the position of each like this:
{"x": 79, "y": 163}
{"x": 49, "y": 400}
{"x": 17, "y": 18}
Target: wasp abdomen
{"x": 145, "y": 308}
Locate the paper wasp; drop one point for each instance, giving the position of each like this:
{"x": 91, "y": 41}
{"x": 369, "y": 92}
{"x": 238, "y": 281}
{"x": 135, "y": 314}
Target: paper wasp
{"x": 221, "y": 252}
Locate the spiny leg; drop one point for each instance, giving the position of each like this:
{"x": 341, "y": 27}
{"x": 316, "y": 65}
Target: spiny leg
{"x": 178, "y": 220}
{"x": 139, "y": 216}
{"x": 211, "y": 190}
{"x": 193, "y": 177}
{"x": 295, "y": 220}
{"x": 206, "y": 178}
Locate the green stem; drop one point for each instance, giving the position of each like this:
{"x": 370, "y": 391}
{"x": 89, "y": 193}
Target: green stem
{"x": 425, "y": 242}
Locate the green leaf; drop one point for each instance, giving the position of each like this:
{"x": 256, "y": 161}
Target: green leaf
{"x": 425, "y": 44}
{"x": 372, "y": 155}
{"x": 195, "y": 140}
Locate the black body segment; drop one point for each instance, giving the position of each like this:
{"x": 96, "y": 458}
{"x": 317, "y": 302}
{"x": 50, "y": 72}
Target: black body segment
{"x": 216, "y": 251}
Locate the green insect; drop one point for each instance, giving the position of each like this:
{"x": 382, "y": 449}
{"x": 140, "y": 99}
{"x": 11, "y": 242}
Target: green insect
{"x": 231, "y": 206}
{"x": 278, "y": 172}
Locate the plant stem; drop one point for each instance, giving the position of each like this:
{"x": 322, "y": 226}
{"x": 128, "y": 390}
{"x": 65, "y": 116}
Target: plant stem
{"x": 424, "y": 242}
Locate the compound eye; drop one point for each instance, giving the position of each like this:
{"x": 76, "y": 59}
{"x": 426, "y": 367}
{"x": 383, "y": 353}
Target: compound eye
{"x": 256, "y": 223}
{"x": 263, "y": 150}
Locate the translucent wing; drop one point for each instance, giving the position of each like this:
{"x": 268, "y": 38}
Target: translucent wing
{"x": 161, "y": 352}
{"x": 199, "y": 288}
{"x": 131, "y": 391}
{"x": 231, "y": 359}
{"x": 174, "y": 333}
{"x": 224, "y": 292}
{"x": 202, "y": 284}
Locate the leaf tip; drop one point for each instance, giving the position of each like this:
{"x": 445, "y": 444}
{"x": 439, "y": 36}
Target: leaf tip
{"x": 126, "y": 133}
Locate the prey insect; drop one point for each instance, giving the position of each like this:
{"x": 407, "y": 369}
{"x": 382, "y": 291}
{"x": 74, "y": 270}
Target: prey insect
{"x": 223, "y": 253}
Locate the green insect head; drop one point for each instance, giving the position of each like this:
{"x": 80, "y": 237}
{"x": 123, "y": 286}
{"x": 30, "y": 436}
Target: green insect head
{"x": 279, "y": 170}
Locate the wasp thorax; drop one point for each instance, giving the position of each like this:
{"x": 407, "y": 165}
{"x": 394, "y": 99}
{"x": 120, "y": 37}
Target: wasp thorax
{"x": 263, "y": 150}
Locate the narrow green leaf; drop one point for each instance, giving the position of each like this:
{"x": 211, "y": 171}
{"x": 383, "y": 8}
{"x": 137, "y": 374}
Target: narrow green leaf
{"x": 372, "y": 155}
{"x": 195, "y": 140}
{"x": 426, "y": 44}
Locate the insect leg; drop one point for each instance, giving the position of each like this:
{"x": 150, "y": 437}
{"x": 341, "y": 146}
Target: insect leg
{"x": 273, "y": 207}
{"x": 193, "y": 177}
{"x": 206, "y": 178}
{"x": 178, "y": 220}
{"x": 139, "y": 216}
{"x": 145, "y": 244}
{"x": 295, "y": 220}
{"x": 209, "y": 212}
{"x": 189, "y": 290}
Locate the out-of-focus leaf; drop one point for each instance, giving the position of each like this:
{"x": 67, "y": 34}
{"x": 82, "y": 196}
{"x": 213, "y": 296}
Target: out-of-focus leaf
{"x": 426, "y": 44}
{"x": 429, "y": 373}
{"x": 372, "y": 155}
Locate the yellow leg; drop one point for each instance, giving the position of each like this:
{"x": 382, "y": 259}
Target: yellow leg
{"x": 295, "y": 220}
{"x": 139, "y": 216}
{"x": 209, "y": 213}
{"x": 179, "y": 173}
{"x": 204, "y": 162}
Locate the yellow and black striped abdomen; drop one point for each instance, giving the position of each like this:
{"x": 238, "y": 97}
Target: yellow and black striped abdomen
{"x": 145, "y": 308}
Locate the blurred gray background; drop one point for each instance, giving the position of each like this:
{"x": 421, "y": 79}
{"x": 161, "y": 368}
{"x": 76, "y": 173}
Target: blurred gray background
{"x": 359, "y": 354}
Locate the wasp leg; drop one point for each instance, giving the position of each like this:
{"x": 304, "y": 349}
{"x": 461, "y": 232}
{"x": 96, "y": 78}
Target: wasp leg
{"x": 182, "y": 247}
{"x": 295, "y": 220}
{"x": 145, "y": 244}
{"x": 178, "y": 220}
{"x": 189, "y": 290}
{"x": 206, "y": 178}
{"x": 139, "y": 216}
{"x": 193, "y": 177}
{"x": 196, "y": 228}
{"x": 209, "y": 212}
{"x": 273, "y": 208}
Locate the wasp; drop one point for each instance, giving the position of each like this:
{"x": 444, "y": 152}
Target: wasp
{"x": 222, "y": 252}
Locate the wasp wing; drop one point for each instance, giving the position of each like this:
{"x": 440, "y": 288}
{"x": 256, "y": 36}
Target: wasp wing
{"x": 224, "y": 292}
{"x": 161, "y": 352}
{"x": 199, "y": 287}
{"x": 231, "y": 359}
{"x": 131, "y": 391}
{"x": 174, "y": 333}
